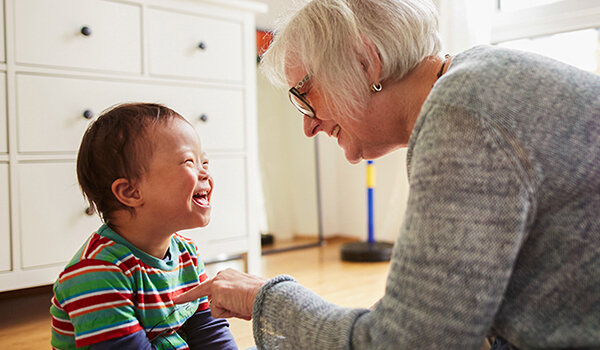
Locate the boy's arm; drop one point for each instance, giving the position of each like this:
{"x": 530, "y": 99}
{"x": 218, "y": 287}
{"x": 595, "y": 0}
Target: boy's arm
{"x": 96, "y": 301}
{"x": 201, "y": 330}
{"x": 134, "y": 341}
{"x": 205, "y": 332}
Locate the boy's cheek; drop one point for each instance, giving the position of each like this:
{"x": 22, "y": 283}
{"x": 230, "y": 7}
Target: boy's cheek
{"x": 212, "y": 185}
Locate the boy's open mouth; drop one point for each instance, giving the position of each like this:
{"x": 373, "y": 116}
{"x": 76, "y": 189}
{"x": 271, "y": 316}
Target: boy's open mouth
{"x": 201, "y": 198}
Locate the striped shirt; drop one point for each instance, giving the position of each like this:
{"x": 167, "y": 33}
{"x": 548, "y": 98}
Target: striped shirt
{"x": 111, "y": 289}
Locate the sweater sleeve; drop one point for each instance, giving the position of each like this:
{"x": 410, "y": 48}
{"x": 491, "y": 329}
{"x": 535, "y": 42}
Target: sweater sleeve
{"x": 466, "y": 219}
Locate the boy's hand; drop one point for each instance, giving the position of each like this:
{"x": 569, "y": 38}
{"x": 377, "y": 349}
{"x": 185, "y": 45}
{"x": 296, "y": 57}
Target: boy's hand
{"x": 231, "y": 293}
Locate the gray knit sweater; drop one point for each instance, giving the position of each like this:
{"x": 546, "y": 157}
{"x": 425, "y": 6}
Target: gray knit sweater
{"x": 502, "y": 227}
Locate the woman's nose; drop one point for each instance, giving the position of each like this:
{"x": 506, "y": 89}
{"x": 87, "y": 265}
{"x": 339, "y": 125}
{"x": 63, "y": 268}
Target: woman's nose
{"x": 311, "y": 126}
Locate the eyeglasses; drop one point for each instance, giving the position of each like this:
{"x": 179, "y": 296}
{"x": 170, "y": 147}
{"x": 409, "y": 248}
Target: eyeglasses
{"x": 299, "y": 101}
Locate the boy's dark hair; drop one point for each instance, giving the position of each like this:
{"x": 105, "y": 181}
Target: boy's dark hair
{"x": 116, "y": 145}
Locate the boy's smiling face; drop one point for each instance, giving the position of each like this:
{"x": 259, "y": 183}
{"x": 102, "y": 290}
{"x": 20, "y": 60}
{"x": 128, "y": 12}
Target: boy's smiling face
{"x": 177, "y": 187}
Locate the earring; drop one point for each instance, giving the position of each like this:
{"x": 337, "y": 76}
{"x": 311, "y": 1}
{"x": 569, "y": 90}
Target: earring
{"x": 376, "y": 87}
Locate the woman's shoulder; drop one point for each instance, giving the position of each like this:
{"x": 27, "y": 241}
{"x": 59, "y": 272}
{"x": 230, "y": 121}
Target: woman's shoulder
{"x": 485, "y": 57}
{"x": 494, "y": 71}
{"x": 497, "y": 81}
{"x": 486, "y": 66}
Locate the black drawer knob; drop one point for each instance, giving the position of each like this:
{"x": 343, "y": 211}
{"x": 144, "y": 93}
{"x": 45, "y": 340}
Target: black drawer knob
{"x": 85, "y": 30}
{"x": 88, "y": 114}
{"x": 202, "y": 45}
{"x": 204, "y": 117}
{"x": 89, "y": 211}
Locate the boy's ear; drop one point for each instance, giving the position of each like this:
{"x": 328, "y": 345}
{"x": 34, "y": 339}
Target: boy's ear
{"x": 127, "y": 193}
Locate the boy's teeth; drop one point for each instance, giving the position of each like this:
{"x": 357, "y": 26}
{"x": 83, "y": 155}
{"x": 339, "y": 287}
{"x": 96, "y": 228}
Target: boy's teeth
{"x": 335, "y": 131}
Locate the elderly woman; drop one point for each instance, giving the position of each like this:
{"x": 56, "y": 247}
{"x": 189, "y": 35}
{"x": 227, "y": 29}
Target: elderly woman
{"x": 502, "y": 232}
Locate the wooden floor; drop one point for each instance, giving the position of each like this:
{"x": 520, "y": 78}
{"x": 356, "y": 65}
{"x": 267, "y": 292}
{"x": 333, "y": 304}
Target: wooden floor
{"x": 25, "y": 322}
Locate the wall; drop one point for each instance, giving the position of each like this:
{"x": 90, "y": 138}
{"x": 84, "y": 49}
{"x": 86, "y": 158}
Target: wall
{"x": 287, "y": 165}
{"x": 344, "y": 193}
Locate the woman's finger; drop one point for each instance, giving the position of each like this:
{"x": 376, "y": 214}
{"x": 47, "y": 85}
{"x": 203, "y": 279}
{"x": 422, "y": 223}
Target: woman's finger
{"x": 217, "y": 312}
{"x": 201, "y": 290}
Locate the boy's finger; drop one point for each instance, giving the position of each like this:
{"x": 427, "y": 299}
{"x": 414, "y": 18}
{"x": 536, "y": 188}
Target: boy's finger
{"x": 201, "y": 290}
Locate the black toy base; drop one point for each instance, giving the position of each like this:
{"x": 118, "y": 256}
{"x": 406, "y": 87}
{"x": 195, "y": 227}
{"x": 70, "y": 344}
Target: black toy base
{"x": 367, "y": 252}
{"x": 266, "y": 239}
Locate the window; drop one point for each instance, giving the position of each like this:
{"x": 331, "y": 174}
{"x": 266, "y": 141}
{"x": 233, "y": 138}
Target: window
{"x": 567, "y": 30}
{"x": 580, "y": 48}
{"x": 512, "y": 5}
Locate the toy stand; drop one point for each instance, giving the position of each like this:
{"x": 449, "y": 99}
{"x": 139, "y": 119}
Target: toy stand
{"x": 369, "y": 251}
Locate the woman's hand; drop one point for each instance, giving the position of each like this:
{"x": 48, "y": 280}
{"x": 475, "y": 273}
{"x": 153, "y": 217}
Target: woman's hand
{"x": 231, "y": 294}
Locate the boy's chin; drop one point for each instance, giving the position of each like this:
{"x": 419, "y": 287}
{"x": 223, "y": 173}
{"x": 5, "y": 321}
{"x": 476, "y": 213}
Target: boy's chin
{"x": 198, "y": 223}
{"x": 204, "y": 221}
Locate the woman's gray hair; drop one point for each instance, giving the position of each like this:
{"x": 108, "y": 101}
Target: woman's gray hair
{"x": 326, "y": 39}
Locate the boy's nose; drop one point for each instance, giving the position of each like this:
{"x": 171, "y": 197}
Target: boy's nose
{"x": 203, "y": 173}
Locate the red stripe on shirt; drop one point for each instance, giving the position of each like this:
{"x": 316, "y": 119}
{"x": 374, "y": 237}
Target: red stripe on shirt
{"x": 116, "y": 333}
{"x": 62, "y": 327}
{"x": 107, "y": 297}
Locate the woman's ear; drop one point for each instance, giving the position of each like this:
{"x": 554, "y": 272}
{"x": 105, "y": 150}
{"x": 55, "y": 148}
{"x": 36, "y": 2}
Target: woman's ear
{"x": 372, "y": 61}
{"x": 127, "y": 193}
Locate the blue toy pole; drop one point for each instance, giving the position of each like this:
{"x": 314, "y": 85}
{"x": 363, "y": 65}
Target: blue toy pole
{"x": 370, "y": 250}
{"x": 370, "y": 190}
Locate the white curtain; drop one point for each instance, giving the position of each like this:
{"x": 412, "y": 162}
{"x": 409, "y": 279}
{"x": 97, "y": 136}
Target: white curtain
{"x": 465, "y": 23}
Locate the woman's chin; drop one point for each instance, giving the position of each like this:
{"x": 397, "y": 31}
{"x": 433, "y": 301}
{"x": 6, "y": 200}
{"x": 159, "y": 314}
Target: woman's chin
{"x": 352, "y": 158}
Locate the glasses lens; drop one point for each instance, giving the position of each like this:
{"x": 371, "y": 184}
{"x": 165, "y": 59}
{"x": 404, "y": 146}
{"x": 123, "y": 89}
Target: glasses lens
{"x": 301, "y": 104}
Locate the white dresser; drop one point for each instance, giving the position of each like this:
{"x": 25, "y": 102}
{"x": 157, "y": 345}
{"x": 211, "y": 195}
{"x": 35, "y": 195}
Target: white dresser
{"x": 64, "y": 61}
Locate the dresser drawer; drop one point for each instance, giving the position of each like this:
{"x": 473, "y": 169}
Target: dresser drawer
{"x": 228, "y": 221}
{"x": 52, "y": 213}
{"x": 50, "y": 110}
{"x": 217, "y": 115}
{"x": 2, "y": 52}
{"x": 49, "y": 33}
{"x": 194, "y": 46}
{"x": 5, "y": 247}
{"x": 3, "y": 125}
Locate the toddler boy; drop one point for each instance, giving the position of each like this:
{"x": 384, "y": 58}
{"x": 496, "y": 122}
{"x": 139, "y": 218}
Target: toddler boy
{"x": 141, "y": 167}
